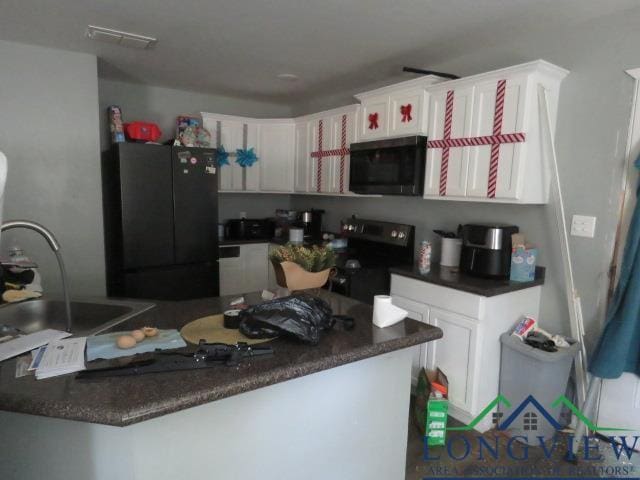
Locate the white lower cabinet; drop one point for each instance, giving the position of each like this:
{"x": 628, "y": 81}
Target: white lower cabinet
{"x": 455, "y": 353}
{"x": 246, "y": 271}
{"x": 469, "y": 351}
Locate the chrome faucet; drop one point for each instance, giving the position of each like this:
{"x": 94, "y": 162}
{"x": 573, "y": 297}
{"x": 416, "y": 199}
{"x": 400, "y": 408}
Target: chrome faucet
{"x": 55, "y": 246}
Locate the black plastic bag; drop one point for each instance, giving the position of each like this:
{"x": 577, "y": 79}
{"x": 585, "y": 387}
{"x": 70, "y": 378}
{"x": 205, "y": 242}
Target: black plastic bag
{"x": 302, "y": 316}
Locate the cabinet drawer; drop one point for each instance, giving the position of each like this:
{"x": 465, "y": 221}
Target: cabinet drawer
{"x": 442, "y": 297}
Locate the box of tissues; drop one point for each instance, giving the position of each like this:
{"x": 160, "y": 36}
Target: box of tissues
{"x": 523, "y": 264}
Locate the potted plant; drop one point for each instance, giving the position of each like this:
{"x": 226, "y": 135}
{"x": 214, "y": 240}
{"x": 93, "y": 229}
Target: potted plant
{"x": 300, "y": 268}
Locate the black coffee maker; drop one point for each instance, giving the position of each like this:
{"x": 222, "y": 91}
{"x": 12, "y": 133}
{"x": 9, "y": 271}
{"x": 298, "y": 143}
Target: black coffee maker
{"x": 486, "y": 249}
{"x": 311, "y": 223}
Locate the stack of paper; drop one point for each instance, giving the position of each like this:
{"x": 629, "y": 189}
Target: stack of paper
{"x": 62, "y": 357}
{"x": 25, "y": 343}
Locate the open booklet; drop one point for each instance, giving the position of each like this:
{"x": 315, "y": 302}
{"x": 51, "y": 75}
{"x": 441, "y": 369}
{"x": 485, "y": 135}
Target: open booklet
{"x": 61, "y": 357}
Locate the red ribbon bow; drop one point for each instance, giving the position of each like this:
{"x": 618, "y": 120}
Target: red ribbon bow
{"x": 373, "y": 121}
{"x": 405, "y": 110}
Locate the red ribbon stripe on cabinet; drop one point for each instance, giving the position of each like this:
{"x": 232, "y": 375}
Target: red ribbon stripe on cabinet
{"x": 495, "y": 140}
{"x": 343, "y": 151}
{"x": 343, "y": 145}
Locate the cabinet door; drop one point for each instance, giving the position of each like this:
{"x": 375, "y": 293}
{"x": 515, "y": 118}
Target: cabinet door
{"x": 302, "y": 159}
{"x": 251, "y": 175}
{"x": 246, "y": 272}
{"x": 375, "y": 118}
{"x": 407, "y": 112}
{"x": 508, "y": 181}
{"x": 343, "y": 134}
{"x": 321, "y": 140}
{"x": 452, "y": 179}
{"x": 233, "y": 177}
{"x": 419, "y": 312}
{"x": 275, "y": 150}
{"x": 231, "y": 138}
{"x": 455, "y": 354}
{"x": 231, "y": 271}
{"x": 254, "y": 260}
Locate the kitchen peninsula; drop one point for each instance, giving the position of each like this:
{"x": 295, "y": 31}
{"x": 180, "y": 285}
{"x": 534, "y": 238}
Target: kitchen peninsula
{"x": 336, "y": 410}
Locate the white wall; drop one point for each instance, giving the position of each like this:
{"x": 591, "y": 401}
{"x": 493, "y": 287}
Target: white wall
{"x": 162, "y": 105}
{"x": 595, "y": 102}
{"x": 49, "y": 132}
{"x": 52, "y": 120}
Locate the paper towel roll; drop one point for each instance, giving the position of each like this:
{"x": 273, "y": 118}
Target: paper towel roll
{"x": 386, "y": 313}
{"x": 450, "y": 256}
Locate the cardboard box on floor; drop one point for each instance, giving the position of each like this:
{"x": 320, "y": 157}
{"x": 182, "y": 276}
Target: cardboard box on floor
{"x": 431, "y": 409}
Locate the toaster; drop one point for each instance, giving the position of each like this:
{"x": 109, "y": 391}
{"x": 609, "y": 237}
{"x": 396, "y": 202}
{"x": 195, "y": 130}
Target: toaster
{"x": 486, "y": 249}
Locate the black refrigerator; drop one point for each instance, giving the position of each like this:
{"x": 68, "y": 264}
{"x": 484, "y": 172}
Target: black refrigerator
{"x": 160, "y": 216}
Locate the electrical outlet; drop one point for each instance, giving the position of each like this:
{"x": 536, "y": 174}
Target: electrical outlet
{"x": 583, "y": 226}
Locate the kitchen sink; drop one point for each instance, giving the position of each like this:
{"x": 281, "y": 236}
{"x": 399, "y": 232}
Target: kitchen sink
{"x": 89, "y": 317}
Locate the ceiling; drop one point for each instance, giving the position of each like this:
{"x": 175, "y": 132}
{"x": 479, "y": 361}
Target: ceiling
{"x": 238, "y": 47}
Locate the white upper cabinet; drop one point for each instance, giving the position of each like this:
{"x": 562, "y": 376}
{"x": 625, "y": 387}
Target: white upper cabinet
{"x": 322, "y": 151}
{"x": 510, "y": 156}
{"x": 485, "y": 141}
{"x": 375, "y": 117}
{"x": 454, "y": 180}
{"x": 229, "y": 133}
{"x": 321, "y": 141}
{"x": 273, "y": 142}
{"x": 302, "y": 167}
{"x": 276, "y": 149}
{"x": 408, "y": 111}
{"x": 396, "y": 110}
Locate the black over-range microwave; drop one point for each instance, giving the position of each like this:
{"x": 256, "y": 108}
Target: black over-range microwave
{"x": 393, "y": 166}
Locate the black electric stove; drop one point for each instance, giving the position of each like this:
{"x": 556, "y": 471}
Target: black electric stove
{"x": 373, "y": 247}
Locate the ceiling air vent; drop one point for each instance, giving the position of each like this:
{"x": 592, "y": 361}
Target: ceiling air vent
{"x": 124, "y": 39}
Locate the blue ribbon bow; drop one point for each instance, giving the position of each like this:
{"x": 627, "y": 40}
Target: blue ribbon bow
{"x": 246, "y": 158}
{"x": 223, "y": 156}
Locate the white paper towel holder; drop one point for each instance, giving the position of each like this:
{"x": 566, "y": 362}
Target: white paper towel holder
{"x": 386, "y": 313}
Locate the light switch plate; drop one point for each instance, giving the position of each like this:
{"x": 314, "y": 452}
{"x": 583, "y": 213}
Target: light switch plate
{"x": 583, "y": 226}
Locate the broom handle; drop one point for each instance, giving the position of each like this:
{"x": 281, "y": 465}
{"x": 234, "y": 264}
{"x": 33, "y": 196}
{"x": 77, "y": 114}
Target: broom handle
{"x": 573, "y": 299}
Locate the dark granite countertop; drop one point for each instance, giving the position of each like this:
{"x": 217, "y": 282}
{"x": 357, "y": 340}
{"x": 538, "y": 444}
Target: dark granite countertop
{"x": 122, "y": 401}
{"x": 486, "y": 287}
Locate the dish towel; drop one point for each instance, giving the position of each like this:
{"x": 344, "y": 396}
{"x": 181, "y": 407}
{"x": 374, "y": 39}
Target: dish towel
{"x": 104, "y": 346}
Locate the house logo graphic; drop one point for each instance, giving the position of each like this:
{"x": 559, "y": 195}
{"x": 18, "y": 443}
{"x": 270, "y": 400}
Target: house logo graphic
{"x": 530, "y": 418}
{"x": 531, "y": 424}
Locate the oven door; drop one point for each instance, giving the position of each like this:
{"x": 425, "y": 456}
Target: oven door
{"x": 361, "y": 284}
{"x": 388, "y": 167}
